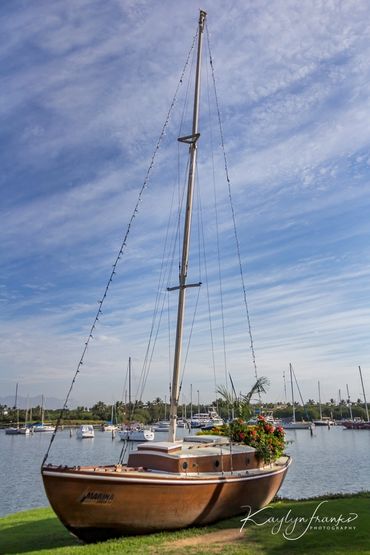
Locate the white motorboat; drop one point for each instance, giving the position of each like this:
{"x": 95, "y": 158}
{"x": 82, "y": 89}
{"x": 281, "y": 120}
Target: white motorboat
{"x": 163, "y": 426}
{"x": 86, "y": 431}
{"x": 43, "y": 428}
{"x": 139, "y": 434}
{"x": 206, "y": 420}
{"x": 109, "y": 428}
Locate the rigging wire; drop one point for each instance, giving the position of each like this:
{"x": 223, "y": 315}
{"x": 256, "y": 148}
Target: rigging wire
{"x": 217, "y": 236}
{"x": 203, "y": 247}
{"x": 164, "y": 283}
{"x": 189, "y": 341}
{"x": 156, "y": 320}
{"x": 226, "y": 167}
{"x": 121, "y": 250}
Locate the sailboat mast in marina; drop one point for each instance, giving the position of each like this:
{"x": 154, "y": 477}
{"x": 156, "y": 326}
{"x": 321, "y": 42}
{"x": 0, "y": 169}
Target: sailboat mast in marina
{"x": 356, "y": 423}
{"x": 18, "y": 430}
{"x": 323, "y": 421}
{"x": 294, "y": 425}
{"x": 171, "y": 484}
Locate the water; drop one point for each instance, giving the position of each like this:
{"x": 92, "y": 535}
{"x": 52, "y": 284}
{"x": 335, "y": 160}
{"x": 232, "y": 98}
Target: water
{"x": 331, "y": 461}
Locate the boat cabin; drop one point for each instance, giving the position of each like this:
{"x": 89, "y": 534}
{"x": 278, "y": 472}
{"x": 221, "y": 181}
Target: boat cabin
{"x": 195, "y": 454}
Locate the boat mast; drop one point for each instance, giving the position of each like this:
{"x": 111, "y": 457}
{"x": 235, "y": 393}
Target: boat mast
{"x": 363, "y": 390}
{"x": 349, "y": 403}
{"x": 129, "y": 389}
{"x": 318, "y": 383}
{"x": 42, "y": 409}
{"x": 291, "y": 385}
{"x": 16, "y": 396}
{"x": 285, "y": 396}
{"x": 191, "y": 140}
{"x": 191, "y": 402}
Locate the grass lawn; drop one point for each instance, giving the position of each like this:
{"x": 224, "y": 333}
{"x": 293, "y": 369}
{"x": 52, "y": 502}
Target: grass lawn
{"x": 39, "y": 531}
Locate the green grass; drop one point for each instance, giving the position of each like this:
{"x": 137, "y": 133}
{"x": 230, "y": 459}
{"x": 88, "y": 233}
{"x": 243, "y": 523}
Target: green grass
{"x": 39, "y": 531}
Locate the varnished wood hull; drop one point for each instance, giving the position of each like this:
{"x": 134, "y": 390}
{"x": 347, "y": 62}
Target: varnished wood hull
{"x": 96, "y": 504}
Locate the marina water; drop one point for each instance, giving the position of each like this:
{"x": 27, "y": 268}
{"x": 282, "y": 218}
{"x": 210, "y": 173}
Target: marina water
{"x": 330, "y": 461}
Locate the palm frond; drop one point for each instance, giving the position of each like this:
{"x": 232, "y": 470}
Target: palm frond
{"x": 260, "y": 386}
{"x": 227, "y": 395}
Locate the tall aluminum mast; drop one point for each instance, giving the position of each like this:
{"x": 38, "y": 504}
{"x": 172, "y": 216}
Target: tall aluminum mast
{"x": 363, "y": 390}
{"x": 191, "y": 140}
{"x": 291, "y": 385}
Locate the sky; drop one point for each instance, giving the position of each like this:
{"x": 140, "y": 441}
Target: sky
{"x": 85, "y": 90}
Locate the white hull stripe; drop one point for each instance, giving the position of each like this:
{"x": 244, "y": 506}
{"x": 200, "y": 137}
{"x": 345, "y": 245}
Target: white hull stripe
{"x": 179, "y": 482}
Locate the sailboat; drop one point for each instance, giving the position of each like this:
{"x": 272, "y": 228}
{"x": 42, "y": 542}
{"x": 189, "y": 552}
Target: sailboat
{"x": 356, "y": 424}
{"x": 134, "y": 432}
{"x": 169, "y": 484}
{"x": 294, "y": 424}
{"x": 323, "y": 420}
{"x": 41, "y": 426}
{"x": 110, "y": 426}
{"x": 18, "y": 430}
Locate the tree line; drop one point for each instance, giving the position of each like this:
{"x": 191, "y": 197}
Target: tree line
{"x": 157, "y": 409}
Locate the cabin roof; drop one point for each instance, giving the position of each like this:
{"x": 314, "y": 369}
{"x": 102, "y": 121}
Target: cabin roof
{"x": 189, "y": 448}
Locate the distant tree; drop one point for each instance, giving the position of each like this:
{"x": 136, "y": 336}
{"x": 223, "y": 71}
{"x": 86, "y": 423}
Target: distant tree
{"x": 100, "y": 411}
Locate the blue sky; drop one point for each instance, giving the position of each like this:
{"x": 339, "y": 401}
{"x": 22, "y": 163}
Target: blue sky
{"x": 85, "y": 89}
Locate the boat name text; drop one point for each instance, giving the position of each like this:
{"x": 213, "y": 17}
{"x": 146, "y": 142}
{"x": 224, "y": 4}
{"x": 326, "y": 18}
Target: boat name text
{"x": 96, "y": 497}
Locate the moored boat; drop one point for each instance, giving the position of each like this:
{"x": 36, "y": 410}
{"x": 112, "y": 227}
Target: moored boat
{"x": 162, "y": 426}
{"x": 355, "y": 424}
{"x": 295, "y": 424}
{"x": 136, "y": 434}
{"x": 43, "y": 428}
{"x": 324, "y": 421}
{"x": 109, "y": 428}
{"x": 17, "y": 431}
{"x": 86, "y": 431}
{"x": 206, "y": 420}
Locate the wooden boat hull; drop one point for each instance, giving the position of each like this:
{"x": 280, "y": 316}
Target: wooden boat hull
{"x": 97, "y": 504}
